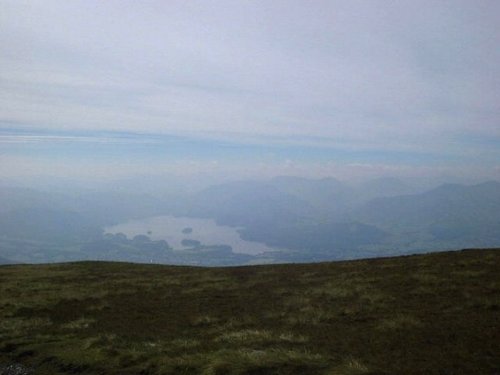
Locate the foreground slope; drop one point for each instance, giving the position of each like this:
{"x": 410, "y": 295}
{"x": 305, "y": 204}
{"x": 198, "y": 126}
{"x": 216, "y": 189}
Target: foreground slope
{"x": 425, "y": 314}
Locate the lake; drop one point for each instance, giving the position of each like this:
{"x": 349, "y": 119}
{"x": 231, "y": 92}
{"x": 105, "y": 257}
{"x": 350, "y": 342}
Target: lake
{"x": 170, "y": 229}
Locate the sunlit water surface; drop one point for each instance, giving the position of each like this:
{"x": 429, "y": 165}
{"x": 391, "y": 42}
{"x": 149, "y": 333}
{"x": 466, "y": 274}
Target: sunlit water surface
{"x": 170, "y": 229}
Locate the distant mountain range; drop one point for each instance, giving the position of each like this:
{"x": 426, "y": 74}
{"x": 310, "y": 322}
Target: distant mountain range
{"x": 6, "y": 261}
{"x": 379, "y": 217}
{"x": 313, "y": 219}
{"x": 245, "y": 203}
{"x": 285, "y": 198}
{"x": 455, "y": 214}
{"x": 477, "y": 203}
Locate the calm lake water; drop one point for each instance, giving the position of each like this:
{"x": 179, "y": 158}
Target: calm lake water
{"x": 169, "y": 228}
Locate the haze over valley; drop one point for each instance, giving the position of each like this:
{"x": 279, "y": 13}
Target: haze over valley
{"x": 282, "y": 219}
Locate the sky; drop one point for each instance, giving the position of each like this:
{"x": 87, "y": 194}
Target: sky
{"x": 111, "y": 89}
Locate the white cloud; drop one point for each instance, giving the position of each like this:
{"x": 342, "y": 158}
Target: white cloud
{"x": 360, "y": 76}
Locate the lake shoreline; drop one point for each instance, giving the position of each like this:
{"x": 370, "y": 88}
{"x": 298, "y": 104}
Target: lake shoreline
{"x": 174, "y": 230}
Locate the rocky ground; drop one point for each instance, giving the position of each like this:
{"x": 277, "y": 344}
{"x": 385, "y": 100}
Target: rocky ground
{"x": 15, "y": 369}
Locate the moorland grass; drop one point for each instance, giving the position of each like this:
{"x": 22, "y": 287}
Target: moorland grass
{"x": 426, "y": 314}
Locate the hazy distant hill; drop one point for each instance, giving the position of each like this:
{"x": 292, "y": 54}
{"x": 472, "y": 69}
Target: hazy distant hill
{"x": 288, "y": 196}
{"x": 17, "y": 198}
{"x": 328, "y": 196}
{"x": 287, "y": 212}
{"x": 5, "y": 261}
{"x": 383, "y": 187}
{"x": 99, "y": 207}
{"x": 39, "y": 227}
{"x": 246, "y": 203}
{"x": 312, "y": 219}
{"x": 418, "y": 315}
{"x": 450, "y": 212}
{"x": 47, "y": 224}
{"x": 328, "y": 217}
{"x": 317, "y": 240}
{"x": 113, "y": 207}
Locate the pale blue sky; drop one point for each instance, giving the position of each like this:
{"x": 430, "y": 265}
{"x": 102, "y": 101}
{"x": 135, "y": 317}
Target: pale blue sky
{"x": 115, "y": 88}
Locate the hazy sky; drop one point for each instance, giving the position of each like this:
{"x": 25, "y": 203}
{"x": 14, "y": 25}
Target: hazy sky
{"x": 115, "y": 88}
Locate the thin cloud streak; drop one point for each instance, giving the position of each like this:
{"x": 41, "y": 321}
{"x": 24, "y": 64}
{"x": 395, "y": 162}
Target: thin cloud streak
{"x": 415, "y": 81}
{"x": 64, "y": 139}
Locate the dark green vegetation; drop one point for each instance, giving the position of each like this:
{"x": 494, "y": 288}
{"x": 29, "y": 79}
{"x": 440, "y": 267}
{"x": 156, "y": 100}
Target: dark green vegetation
{"x": 426, "y": 314}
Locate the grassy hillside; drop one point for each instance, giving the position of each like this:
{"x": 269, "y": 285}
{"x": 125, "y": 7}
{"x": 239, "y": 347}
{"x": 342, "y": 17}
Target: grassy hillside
{"x": 426, "y": 314}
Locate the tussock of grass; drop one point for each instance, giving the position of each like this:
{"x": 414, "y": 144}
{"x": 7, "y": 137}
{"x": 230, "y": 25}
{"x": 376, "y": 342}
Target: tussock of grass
{"x": 23, "y": 325}
{"x": 249, "y": 336}
{"x": 350, "y": 367}
{"x": 204, "y": 320}
{"x": 185, "y": 343}
{"x": 311, "y": 315}
{"x": 262, "y": 362}
{"x": 81, "y": 323}
{"x": 400, "y": 322}
{"x": 290, "y": 337}
{"x": 427, "y": 278}
{"x": 334, "y": 291}
{"x": 252, "y": 336}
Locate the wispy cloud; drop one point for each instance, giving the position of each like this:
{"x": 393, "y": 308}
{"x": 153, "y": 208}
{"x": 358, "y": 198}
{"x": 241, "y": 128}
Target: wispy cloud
{"x": 416, "y": 82}
{"x": 54, "y": 139}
